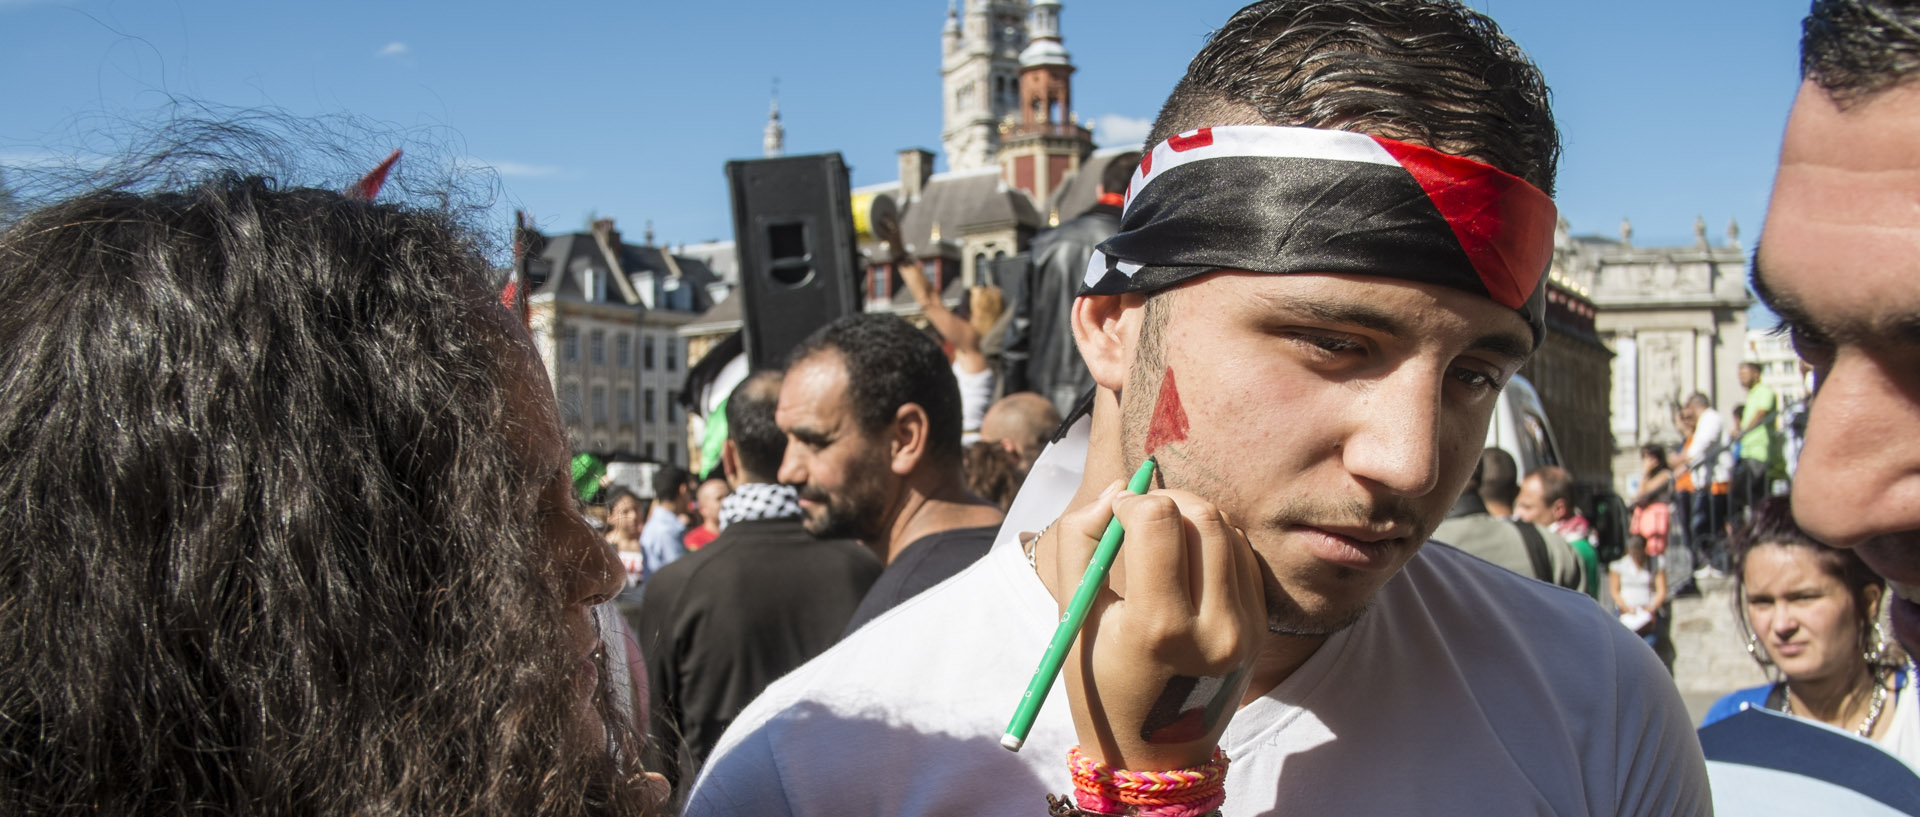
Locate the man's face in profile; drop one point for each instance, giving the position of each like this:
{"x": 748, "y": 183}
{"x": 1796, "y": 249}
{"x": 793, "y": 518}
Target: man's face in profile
{"x": 842, "y": 472}
{"x": 1335, "y": 418}
{"x": 1839, "y": 260}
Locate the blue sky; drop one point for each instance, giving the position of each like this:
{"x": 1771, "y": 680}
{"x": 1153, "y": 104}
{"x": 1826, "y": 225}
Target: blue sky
{"x": 1670, "y": 109}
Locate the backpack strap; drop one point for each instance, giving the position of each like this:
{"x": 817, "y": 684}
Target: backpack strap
{"x": 1536, "y": 551}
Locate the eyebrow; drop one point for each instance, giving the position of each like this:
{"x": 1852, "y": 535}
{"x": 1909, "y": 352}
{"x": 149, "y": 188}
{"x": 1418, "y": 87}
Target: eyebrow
{"x": 1901, "y": 328}
{"x": 1367, "y": 317}
{"x": 1504, "y": 345}
{"x": 811, "y": 436}
{"x": 1361, "y": 315}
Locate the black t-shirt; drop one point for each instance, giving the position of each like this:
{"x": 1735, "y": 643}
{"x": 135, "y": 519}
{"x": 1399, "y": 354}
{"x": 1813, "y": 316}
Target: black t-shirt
{"x": 923, "y": 564}
{"x": 720, "y": 624}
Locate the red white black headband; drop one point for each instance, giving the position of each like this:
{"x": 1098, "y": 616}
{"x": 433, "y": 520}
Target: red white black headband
{"x": 1288, "y": 200}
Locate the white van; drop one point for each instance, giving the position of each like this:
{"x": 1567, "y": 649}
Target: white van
{"x": 1520, "y": 428}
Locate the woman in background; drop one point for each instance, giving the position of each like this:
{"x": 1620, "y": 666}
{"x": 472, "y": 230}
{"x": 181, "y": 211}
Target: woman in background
{"x": 1812, "y": 615}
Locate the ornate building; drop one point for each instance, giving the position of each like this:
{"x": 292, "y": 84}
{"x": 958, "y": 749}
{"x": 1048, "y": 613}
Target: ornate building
{"x": 1044, "y": 145}
{"x": 604, "y": 316}
{"x": 979, "y": 78}
{"x": 1676, "y": 320}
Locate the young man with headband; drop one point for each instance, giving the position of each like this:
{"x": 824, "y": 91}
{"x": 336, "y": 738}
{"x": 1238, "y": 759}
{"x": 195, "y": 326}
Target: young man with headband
{"x": 1330, "y": 261}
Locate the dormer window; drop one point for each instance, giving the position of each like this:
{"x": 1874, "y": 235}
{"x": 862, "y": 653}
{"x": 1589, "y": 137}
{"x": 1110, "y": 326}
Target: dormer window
{"x": 590, "y": 284}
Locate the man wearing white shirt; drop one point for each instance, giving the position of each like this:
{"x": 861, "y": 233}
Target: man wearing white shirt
{"x": 1708, "y": 460}
{"x": 1317, "y": 292}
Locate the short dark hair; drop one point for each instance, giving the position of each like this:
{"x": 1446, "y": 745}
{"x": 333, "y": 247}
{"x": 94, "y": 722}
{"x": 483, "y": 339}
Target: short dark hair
{"x": 668, "y": 481}
{"x": 1854, "y": 49}
{"x": 1431, "y": 72}
{"x": 757, "y": 439}
{"x": 620, "y": 492}
{"x": 1118, "y": 173}
{"x": 1772, "y": 524}
{"x": 1499, "y": 476}
{"x": 889, "y": 364}
{"x": 1556, "y": 484}
{"x": 264, "y": 547}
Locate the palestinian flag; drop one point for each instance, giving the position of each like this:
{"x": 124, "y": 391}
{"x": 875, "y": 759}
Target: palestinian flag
{"x": 1287, "y": 200}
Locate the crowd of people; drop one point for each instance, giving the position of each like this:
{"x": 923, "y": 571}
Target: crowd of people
{"x": 292, "y": 527}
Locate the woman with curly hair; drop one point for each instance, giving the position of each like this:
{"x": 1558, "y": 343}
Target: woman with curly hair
{"x": 287, "y": 521}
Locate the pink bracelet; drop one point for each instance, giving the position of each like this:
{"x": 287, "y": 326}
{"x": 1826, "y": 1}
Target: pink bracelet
{"x": 1192, "y": 792}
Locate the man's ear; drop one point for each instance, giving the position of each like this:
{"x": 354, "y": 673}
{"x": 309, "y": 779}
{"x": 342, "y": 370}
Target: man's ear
{"x": 1106, "y": 327}
{"x": 730, "y": 462}
{"x": 907, "y": 438}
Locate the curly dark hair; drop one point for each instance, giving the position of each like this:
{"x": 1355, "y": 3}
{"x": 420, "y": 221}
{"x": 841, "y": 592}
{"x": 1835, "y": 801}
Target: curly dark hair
{"x": 890, "y": 364}
{"x": 1854, "y": 49}
{"x": 268, "y": 547}
{"x": 1432, "y": 72}
{"x": 993, "y": 473}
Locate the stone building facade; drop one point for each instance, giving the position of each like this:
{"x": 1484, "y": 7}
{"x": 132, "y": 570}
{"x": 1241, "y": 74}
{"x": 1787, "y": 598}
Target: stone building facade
{"x": 605, "y": 317}
{"x": 1676, "y": 320}
{"x": 979, "y": 78}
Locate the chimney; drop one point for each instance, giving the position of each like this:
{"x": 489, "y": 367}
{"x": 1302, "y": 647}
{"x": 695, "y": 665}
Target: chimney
{"x": 916, "y": 164}
{"x": 603, "y": 230}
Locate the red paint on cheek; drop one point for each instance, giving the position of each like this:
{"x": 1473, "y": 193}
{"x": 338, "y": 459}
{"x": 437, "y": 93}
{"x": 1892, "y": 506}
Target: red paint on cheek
{"x": 1169, "y": 417}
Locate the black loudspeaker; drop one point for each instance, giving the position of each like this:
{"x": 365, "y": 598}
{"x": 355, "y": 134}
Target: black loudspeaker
{"x": 793, "y": 231}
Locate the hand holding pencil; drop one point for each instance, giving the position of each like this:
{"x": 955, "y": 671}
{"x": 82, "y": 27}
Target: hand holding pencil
{"x": 1163, "y": 657}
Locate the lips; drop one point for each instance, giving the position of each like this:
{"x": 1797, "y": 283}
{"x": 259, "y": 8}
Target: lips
{"x": 1358, "y": 548}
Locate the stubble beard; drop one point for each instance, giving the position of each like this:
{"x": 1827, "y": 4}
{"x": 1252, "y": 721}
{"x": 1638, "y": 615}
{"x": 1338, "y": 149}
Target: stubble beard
{"x": 856, "y": 513}
{"x": 1284, "y": 615}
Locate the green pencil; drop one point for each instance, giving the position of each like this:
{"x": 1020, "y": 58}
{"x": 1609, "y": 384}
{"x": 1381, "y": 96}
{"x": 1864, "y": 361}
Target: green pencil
{"x": 1069, "y": 627}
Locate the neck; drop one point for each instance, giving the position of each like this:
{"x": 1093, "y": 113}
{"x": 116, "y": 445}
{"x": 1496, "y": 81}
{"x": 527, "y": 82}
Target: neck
{"x": 1840, "y": 701}
{"x": 1280, "y": 655}
{"x": 932, "y": 501}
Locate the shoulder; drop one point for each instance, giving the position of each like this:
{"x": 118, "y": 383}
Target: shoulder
{"x": 1450, "y": 580}
{"x": 920, "y": 651}
{"x": 1733, "y": 702}
{"x": 1544, "y": 660}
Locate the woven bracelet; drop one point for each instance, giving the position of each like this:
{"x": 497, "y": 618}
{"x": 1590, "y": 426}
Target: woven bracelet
{"x": 1192, "y": 792}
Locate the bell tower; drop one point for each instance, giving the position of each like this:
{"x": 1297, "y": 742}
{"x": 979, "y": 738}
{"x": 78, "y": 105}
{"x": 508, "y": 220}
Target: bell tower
{"x": 1045, "y": 142}
{"x": 979, "y": 78}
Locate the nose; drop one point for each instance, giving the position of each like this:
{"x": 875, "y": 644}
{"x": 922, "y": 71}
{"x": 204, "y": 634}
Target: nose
{"x": 590, "y": 570}
{"x": 1394, "y": 439}
{"x": 793, "y": 469}
{"x": 1859, "y": 473}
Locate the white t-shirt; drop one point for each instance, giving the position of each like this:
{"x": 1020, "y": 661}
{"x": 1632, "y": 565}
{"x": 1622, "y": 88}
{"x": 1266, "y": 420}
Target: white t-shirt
{"x": 1709, "y": 431}
{"x": 1902, "y": 740}
{"x": 976, "y": 393}
{"x": 1466, "y": 689}
{"x": 1636, "y": 582}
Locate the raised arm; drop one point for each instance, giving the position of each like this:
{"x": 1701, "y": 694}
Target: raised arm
{"x": 966, "y": 341}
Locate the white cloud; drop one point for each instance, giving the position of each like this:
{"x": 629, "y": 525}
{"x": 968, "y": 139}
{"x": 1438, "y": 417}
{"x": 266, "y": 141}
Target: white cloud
{"x": 392, "y": 49}
{"x": 1115, "y": 130}
{"x": 513, "y": 170}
